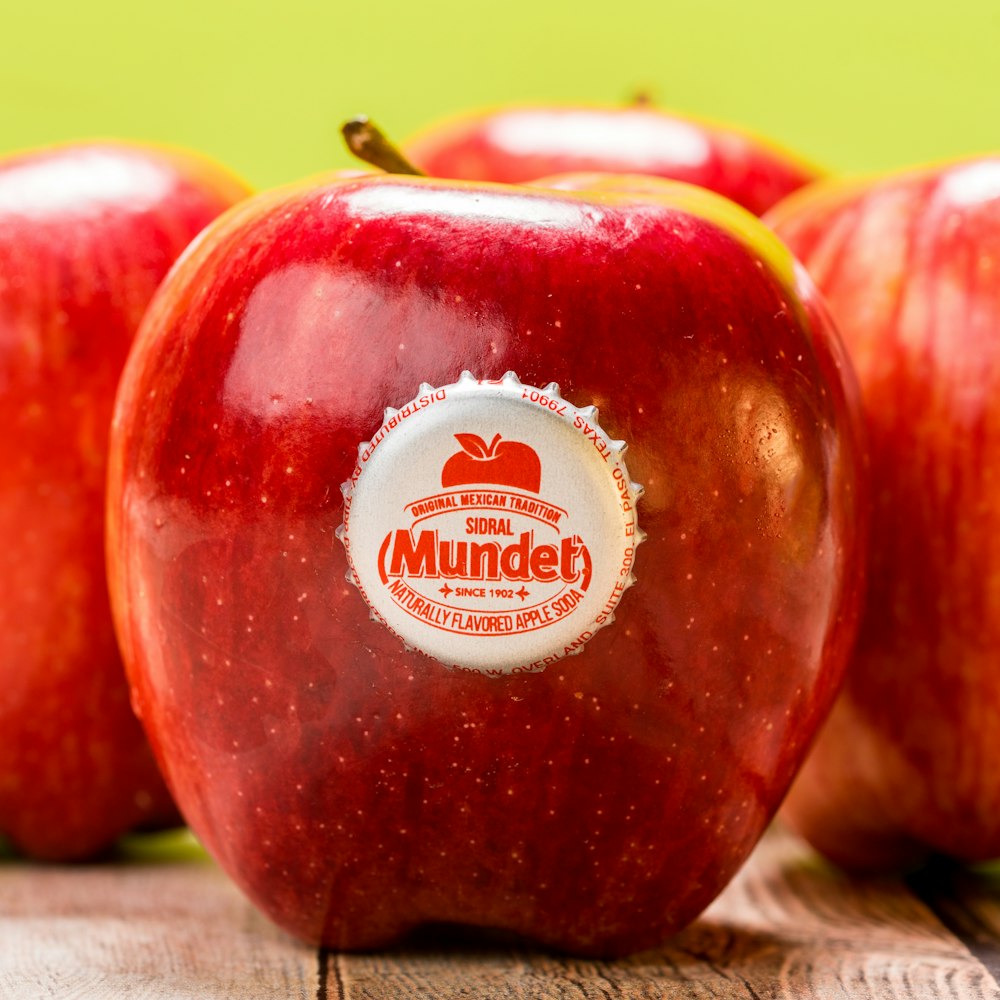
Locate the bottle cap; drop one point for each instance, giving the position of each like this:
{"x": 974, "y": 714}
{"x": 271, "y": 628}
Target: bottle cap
{"x": 491, "y": 525}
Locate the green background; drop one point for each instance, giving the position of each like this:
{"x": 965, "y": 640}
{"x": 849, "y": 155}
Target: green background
{"x": 264, "y": 86}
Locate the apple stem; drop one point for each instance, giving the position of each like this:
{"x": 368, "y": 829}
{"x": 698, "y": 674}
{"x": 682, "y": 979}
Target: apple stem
{"x": 367, "y": 142}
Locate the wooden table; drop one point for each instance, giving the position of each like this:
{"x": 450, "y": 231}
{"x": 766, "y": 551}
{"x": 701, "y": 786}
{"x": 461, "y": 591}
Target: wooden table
{"x": 171, "y": 925}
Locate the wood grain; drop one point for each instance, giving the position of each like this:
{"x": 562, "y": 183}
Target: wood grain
{"x": 142, "y": 931}
{"x": 967, "y": 902}
{"x": 787, "y": 927}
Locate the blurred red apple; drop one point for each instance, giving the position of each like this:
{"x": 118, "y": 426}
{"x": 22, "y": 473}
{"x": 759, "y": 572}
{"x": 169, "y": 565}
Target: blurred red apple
{"x": 909, "y": 264}
{"x": 86, "y": 234}
{"x": 416, "y": 744}
{"x": 519, "y": 144}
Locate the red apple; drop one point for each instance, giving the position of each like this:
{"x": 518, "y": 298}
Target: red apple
{"x": 416, "y": 743}
{"x": 519, "y": 144}
{"x": 907, "y": 764}
{"x": 86, "y": 234}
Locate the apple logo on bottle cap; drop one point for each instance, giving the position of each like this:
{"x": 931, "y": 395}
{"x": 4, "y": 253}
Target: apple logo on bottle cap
{"x": 507, "y": 463}
{"x": 491, "y": 525}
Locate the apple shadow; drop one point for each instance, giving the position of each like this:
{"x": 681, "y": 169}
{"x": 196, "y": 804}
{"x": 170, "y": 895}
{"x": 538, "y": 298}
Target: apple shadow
{"x": 451, "y": 962}
{"x": 966, "y": 899}
{"x": 790, "y": 926}
{"x": 7, "y": 852}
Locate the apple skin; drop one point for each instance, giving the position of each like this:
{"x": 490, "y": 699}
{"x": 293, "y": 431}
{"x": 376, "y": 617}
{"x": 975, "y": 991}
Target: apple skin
{"x": 516, "y": 145}
{"x": 87, "y": 231}
{"x": 907, "y": 765}
{"x": 641, "y": 185}
{"x": 356, "y": 789}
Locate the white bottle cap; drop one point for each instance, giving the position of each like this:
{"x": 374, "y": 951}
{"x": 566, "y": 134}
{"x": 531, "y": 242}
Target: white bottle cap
{"x": 491, "y": 525}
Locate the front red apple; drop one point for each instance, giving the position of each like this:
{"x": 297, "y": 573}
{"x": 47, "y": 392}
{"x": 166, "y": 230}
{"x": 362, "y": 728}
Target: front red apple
{"x": 379, "y": 561}
{"x": 86, "y": 233}
{"x": 909, "y": 263}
